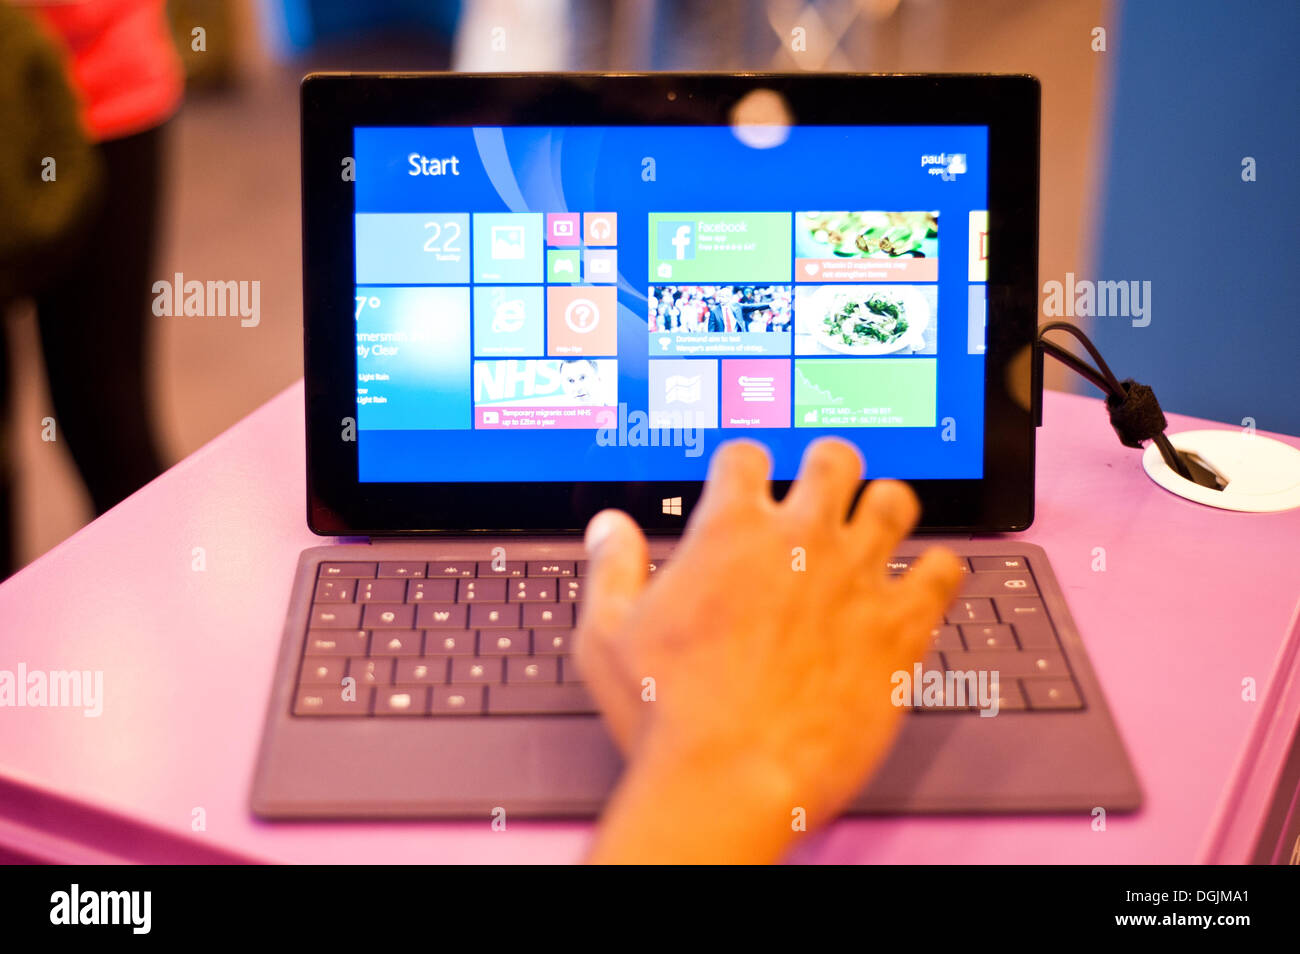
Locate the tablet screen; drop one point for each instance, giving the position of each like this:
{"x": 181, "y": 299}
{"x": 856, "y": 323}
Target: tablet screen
{"x": 608, "y": 303}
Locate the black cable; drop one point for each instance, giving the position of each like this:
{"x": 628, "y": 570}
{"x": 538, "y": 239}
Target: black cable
{"x": 1135, "y": 413}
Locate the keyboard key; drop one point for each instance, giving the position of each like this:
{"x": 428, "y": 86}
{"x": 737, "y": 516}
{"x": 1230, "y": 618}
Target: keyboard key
{"x": 481, "y": 591}
{"x": 947, "y": 637}
{"x": 396, "y": 643}
{"x": 533, "y": 591}
{"x": 545, "y": 614}
{"x": 335, "y": 591}
{"x": 1052, "y": 694}
{"x": 570, "y": 591}
{"x": 503, "y": 642}
{"x": 371, "y": 672}
{"x": 353, "y": 642}
{"x": 532, "y": 670}
{"x": 317, "y": 700}
{"x": 388, "y": 616}
{"x": 448, "y": 643}
{"x": 445, "y": 570}
{"x": 474, "y": 669}
{"x": 1010, "y": 665}
{"x": 961, "y": 700}
{"x": 405, "y": 700}
{"x": 420, "y": 672}
{"x": 457, "y": 700}
{"x": 970, "y": 611}
{"x": 409, "y": 571}
{"x": 569, "y": 673}
{"x": 898, "y": 564}
{"x": 547, "y": 642}
{"x": 550, "y": 568}
{"x": 538, "y": 700}
{"x": 1009, "y": 695}
{"x": 983, "y": 563}
{"x": 998, "y": 584}
{"x": 322, "y": 670}
{"x": 431, "y": 591}
{"x": 441, "y": 616}
{"x": 507, "y": 568}
{"x": 1014, "y": 609}
{"x": 335, "y": 616}
{"x": 330, "y": 571}
{"x": 493, "y": 615}
{"x": 1036, "y": 635}
{"x": 382, "y": 591}
{"x": 1028, "y": 617}
{"x": 988, "y": 636}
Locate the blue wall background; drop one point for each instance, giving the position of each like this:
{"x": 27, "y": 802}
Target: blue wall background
{"x": 1199, "y": 85}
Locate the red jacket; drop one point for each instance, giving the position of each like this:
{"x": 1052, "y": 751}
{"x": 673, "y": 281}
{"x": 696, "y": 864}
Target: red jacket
{"x": 123, "y": 63}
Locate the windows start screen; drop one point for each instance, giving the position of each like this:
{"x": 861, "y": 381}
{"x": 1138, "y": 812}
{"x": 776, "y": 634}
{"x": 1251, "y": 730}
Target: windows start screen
{"x": 527, "y": 298}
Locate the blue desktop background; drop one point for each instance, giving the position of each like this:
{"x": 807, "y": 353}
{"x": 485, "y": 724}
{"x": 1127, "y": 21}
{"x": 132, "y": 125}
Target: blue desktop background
{"x": 695, "y": 169}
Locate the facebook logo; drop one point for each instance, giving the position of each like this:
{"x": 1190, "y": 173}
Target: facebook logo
{"x": 676, "y": 241}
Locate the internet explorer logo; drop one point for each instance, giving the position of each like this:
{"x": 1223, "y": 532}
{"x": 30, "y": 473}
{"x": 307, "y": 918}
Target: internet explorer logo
{"x": 677, "y": 240}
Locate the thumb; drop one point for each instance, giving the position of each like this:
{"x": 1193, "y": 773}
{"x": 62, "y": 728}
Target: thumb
{"x": 618, "y": 561}
{"x": 617, "y": 569}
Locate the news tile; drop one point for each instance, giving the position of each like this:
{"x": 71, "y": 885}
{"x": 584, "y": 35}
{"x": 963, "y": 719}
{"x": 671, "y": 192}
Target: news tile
{"x": 866, "y": 246}
{"x": 545, "y": 394}
{"x": 850, "y": 392}
{"x": 719, "y": 319}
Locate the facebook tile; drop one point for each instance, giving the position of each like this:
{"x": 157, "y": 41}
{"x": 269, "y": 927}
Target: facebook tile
{"x": 739, "y": 247}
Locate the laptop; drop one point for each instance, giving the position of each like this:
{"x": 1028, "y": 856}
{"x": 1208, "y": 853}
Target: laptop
{"x": 531, "y": 297}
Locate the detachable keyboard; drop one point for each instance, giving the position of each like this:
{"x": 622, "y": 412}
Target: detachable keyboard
{"x": 421, "y": 639}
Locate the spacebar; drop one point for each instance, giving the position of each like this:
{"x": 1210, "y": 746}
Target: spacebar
{"x": 535, "y": 700}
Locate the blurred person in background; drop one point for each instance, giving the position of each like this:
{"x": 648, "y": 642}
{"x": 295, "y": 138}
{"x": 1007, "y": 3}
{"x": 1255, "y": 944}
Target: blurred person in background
{"x": 84, "y": 226}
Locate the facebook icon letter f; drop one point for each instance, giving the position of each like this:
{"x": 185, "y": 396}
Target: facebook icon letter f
{"x": 676, "y": 240}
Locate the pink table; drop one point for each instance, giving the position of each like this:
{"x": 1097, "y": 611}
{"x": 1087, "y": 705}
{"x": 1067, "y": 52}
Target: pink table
{"x": 1192, "y": 600}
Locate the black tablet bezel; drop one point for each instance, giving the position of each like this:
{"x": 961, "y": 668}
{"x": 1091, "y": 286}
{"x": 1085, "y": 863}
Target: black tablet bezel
{"x": 333, "y": 104}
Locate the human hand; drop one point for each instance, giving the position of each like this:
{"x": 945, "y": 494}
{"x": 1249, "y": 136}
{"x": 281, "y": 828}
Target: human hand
{"x": 771, "y": 638}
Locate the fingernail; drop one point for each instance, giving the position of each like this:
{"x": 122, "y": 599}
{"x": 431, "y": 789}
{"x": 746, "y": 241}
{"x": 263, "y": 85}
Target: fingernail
{"x": 601, "y": 526}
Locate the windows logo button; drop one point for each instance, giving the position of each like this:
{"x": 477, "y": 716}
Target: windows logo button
{"x": 673, "y": 506}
